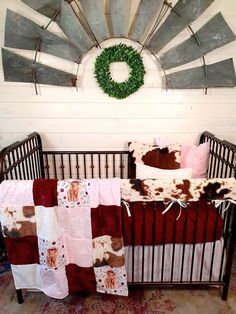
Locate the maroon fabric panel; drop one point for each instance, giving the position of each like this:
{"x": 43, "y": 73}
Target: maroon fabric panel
{"x": 106, "y": 220}
{"x": 45, "y": 192}
{"x": 199, "y": 222}
{"x": 80, "y": 279}
{"x": 22, "y": 250}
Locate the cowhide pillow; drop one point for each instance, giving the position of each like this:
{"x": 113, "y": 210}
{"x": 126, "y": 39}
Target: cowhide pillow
{"x": 192, "y": 156}
{"x": 151, "y": 155}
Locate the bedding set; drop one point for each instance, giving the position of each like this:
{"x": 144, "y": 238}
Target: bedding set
{"x": 66, "y": 236}
{"x": 186, "y": 235}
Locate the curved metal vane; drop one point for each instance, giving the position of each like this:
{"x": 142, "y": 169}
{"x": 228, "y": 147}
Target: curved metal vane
{"x": 220, "y": 74}
{"x": 120, "y": 15}
{"x": 72, "y": 27}
{"x": 183, "y": 14}
{"x": 94, "y": 13}
{"x": 19, "y": 69}
{"x": 214, "y": 34}
{"x": 45, "y": 7}
{"x": 23, "y": 33}
{"x": 62, "y": 13}
{"x": 144, "y": 19}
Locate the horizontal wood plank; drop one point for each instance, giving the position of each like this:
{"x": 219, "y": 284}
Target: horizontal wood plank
{"x": 89, "y": 119}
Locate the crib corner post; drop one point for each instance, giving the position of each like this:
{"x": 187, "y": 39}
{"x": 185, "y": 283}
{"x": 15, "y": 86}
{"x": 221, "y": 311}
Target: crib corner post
{"x": 224, "y": 294}
{"x": 228, "y": 268}
{"x": 19, "y": 296}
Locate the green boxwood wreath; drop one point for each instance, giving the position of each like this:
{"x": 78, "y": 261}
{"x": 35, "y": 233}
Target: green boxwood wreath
{"x": 119, "y": 53}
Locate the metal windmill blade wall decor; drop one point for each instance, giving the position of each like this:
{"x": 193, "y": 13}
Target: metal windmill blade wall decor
{"x": 85, "y": 25}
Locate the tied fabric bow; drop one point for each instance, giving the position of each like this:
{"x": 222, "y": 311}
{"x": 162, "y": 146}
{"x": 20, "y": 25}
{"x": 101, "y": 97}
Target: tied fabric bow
{"x": 127, "y": 207}
{"x": 217, "y": 203}
{"x": 181, "y": 205}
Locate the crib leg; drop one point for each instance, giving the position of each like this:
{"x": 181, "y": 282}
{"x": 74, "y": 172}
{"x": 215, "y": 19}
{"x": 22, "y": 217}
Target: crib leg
{"x": 19, "y": 296}
{"x": 224, "y": 294}
{"x": 228, "y": 268}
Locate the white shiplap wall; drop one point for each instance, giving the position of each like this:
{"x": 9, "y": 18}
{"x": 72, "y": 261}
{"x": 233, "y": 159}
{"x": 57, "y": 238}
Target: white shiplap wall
{"x": 89, "y": 119}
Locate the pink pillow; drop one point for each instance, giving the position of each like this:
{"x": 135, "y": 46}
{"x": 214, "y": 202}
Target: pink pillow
{"x": 197, "y": 158}
{"x": 192, "y": 156}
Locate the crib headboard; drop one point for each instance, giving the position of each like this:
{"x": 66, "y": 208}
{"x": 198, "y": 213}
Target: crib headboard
{"x": 222, "y": 161}
{"x": 22, "y": 160}
{"x": 26, "y": 160}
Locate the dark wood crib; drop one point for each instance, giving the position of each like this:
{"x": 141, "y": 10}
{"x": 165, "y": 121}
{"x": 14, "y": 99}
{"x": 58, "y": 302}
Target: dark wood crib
{"x": 148, "y": 264}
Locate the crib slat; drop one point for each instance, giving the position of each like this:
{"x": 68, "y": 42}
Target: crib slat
{"x": 184, "y": 243}
{"x": 153, "y": 240}
{"x": 173, "y": 245}
{"x": 203, "y": 249}
{"x": 163, "y": 249}
{"x": 194, "y": 241}
{"x": 143, "y": 238}
{"x": 133, "y": 237}
{"x": 92, "y": 164}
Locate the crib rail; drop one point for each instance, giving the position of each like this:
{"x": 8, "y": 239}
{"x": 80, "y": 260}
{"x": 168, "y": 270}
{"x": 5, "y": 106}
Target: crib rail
{"x": 22, "y": 160}
{"x": 26, "y": 160}
{"x": 88, "y": 164}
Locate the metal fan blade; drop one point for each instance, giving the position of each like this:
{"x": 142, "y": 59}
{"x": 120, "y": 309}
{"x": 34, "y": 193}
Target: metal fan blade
{"x": 66, "y": 18}
{"x": 188, "y": 11}
{"x": 19, "y": 69}
{"x": 214, "y": 34}
{"x": 94, "y": 13}
{"x": 220, "y": 74}
{"x": 72, "y": 27}
{"x": 45, "y": 7}
{"x": 23, "y": 33}
{"x": 144, "y": 19}
{"x": 120, "y": 14}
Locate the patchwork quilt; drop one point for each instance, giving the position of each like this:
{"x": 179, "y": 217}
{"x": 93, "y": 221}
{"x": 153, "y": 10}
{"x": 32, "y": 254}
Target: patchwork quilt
{"x": 64, "y": 236}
